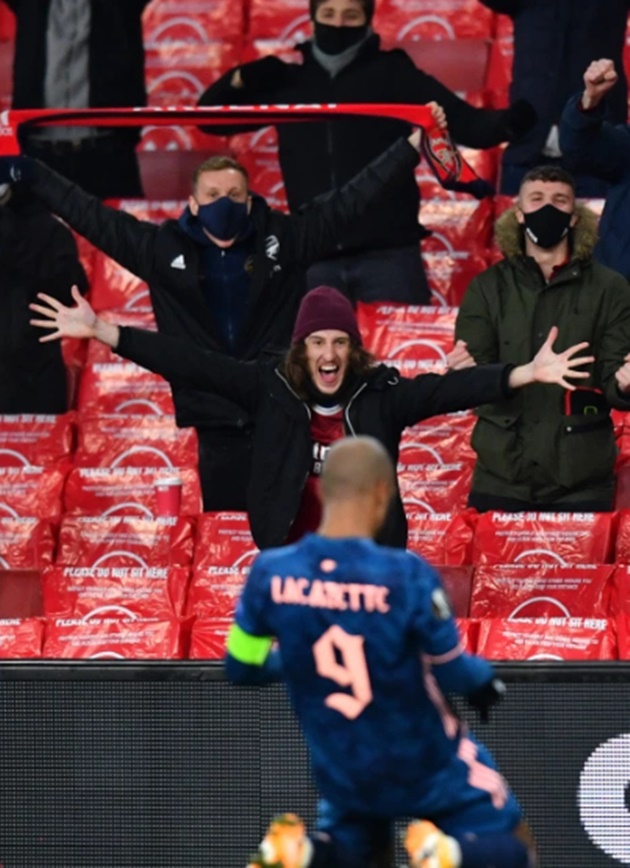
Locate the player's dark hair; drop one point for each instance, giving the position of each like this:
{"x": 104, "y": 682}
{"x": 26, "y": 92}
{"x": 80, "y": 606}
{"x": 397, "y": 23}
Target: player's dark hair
{"x": 549, "y": 174}
{"x": 295, "y": 366}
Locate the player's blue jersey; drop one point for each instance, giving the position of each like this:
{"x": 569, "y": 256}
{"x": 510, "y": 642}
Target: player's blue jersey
{"x": 360, "y": 628}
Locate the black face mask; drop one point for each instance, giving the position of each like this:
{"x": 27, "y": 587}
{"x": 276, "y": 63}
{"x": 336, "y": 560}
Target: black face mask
{"x": 335, "y": 40}
{"x": 547, "y": 226}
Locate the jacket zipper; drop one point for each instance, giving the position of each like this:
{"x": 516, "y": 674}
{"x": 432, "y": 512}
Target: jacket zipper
{"x": 309, "y": 414}
{"x": 346, "y": 412}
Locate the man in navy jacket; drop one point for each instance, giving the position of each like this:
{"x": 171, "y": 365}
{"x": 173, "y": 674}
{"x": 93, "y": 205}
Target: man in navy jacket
{"x": 603, "y": 149}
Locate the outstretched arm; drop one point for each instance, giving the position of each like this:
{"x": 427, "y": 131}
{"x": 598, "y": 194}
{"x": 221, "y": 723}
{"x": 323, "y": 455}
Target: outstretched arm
{"x": 316, "y": 231}
{"x": 257, "y": 83}
{"x": 432, "y": 394}
{"x": 178, "y": 361}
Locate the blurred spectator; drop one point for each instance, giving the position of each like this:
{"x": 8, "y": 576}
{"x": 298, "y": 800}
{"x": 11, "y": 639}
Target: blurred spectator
{"x": 228, "y": 276}
{"x": 554, "y": 41}
{"x": 603, "y": 149}
{"x": 82, "y": 54}
{"x": 326, "y": 387}
{"x": 548, "y": 449}
{"x": 37, "y": 254}
{"x": 379, "y": 257}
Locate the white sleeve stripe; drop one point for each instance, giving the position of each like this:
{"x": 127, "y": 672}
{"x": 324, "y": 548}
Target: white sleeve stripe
{"x": 440, "y": 659}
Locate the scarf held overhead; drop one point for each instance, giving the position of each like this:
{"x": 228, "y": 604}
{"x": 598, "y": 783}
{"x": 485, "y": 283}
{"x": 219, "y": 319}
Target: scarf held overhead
{"x": 446, "y": 162}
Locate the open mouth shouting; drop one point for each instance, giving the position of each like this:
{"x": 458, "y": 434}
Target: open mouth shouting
{"x": 327, "y": 354}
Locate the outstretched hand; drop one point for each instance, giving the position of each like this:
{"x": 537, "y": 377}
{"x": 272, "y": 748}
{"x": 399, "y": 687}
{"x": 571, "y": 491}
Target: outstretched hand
{"x": 459, "y": 358}
{"x": 67, "y": 322}
{"x": 551, "y": 367}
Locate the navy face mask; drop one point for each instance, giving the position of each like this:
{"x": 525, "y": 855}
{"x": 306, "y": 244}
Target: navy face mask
{"x": 224, "y": 218}
{"x": 335, "y": 40}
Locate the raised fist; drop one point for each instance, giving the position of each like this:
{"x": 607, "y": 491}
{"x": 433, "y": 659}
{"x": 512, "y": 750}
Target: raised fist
{"x": 599, "y": 78}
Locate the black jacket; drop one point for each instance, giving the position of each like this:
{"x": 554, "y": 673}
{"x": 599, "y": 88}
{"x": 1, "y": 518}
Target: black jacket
{"x": 317, "y": 157}
{"x": 382, "y": 405}
{"x": 554, "y": 42}
{"x": 285, "y": 247}
{"x": 116, "y": 64}
{"x": 37, "y": 254}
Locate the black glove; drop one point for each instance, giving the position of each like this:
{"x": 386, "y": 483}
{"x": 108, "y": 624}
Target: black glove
{"x": 269, "y": 73}
{"x": 519, "y": 118}
{"x": 485, "y": 697}
{"x": 13, "y": 169}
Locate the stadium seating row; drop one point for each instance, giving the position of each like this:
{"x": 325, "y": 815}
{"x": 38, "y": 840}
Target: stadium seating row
{"x": 204, "y": 638}
{"x": 558, "y": 540}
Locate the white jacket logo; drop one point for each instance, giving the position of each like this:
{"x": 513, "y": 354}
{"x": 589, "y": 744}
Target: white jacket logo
{"x": 179, "y": 263}
{"x": 272, "y": 247}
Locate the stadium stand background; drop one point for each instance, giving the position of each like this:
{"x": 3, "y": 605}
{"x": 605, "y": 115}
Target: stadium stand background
{"x": 79, "y": 538}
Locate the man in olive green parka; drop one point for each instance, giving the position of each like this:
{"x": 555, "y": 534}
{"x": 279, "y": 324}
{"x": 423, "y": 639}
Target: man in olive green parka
{"x": 547, "y": 448}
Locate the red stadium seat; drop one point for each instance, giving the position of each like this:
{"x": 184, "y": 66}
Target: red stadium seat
{"x": 457, "y": 581}
{"x": 547, "y": 639}
{"x": 126, "y": 491}
{"x": 178, "y": 73}
{"x": 192, "y": 21}
{"x": 124, "y": 541}
{"x": 224, "y": 553}
{"x": 622, "y": 626}
{"x": 424, "y": 20}
{"x": 622, "y": 545}
{"x": 21, "y": 638}
{"x": 25, "y": 544}
{"x": 208, "y": 638}
{"x": 441, "y": 539}
{"x": 125, "y": 388}
{"x": 460, "y": 64}
{"x": 543, "y": 538}
{"x": 446, "y": 442}
{"x": 413, "y": 339}
{"x": 115, "y": 288}
{"x": 468, "y": 634}
{"x": 141, "y": 639}
{"x": 114, "y": 592}
{"x": 434, "y": 488}
{"x": 457, "y": 248}
{"x": 117, "y": 441}
{"x": 32, "y": 491}
{"x": 285, "y": 20}
{"x": 6, "y": 73}
{"x": 224, "y": 540}
{"x": 541, "y": 591}
{"x": 620, "y": 596}
{"x": 30, "y": 439}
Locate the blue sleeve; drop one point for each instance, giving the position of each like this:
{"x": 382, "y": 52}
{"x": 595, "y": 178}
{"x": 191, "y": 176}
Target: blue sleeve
{"x": 437, "y": 637}
{"x": 591, "y": 143}
{"x": 250, "y": 657}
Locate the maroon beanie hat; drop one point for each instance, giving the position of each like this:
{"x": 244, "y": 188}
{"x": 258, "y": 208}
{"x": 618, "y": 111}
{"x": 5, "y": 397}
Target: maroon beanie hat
{"x": 325, "y": 308}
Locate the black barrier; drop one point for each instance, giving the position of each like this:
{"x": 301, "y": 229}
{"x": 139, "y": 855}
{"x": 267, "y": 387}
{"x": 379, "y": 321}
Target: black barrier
{"x": 142, "y": 766}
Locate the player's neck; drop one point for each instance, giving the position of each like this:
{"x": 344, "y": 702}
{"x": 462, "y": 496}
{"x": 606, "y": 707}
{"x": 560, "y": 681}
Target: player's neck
{"x": 338, "y": 524}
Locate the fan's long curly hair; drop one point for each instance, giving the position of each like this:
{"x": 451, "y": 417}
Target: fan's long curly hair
{"x": 295, "y": 366}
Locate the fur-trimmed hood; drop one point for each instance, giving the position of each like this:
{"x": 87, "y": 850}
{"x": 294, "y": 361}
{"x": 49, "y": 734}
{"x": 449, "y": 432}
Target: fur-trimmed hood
{"x": 509, "y": 234}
